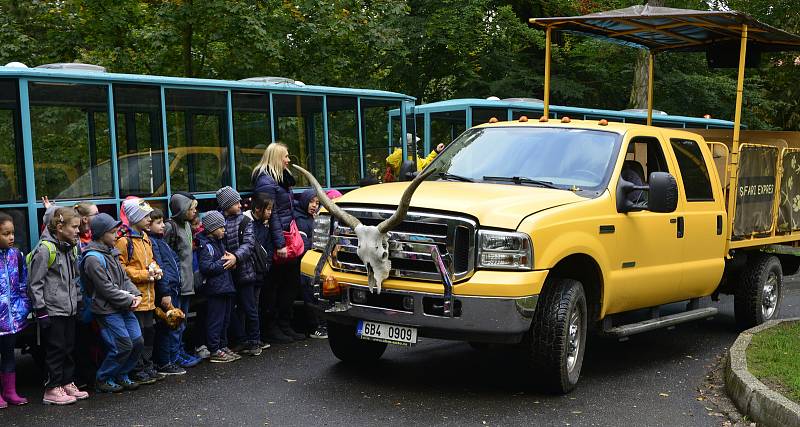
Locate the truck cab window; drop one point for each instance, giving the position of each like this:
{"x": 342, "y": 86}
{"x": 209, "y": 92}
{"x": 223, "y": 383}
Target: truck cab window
{"x": 696, "y": 182}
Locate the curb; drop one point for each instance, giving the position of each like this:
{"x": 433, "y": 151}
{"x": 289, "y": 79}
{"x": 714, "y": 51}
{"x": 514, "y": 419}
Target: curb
{"x": 751, "y": 396}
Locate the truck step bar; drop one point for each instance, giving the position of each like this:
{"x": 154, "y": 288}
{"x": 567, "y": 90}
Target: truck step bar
{"x": 660, "y": 322}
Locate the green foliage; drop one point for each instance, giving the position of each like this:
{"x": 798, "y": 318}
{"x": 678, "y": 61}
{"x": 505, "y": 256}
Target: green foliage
{"x": 433, "y": 50}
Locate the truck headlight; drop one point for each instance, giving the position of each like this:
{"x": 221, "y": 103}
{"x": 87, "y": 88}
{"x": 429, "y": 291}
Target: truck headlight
{"x": 504, "y": 250}
{"x": 322, "y": 229}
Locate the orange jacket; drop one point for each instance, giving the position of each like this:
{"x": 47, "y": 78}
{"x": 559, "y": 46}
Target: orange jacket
{"x": 141, "y": 250}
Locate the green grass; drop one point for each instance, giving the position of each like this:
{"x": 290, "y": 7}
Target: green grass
{"x": 774, "y": 357}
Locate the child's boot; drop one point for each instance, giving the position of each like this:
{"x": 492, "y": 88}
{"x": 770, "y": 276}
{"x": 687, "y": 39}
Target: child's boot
{"x": 73, "y": 391}
{"x": 9, "y": 393}
{"x": 3, "y": 403}
{"x": 57, "y": 396}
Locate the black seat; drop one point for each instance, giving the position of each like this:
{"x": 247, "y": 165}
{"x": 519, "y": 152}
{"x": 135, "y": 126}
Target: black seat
{"x": 633, "y": 172}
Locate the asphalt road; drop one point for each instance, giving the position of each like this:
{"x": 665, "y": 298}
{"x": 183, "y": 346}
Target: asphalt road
{"x": 652, "y": 379}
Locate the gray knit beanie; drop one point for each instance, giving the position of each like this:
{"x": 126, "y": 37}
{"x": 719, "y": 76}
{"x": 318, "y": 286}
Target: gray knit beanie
{"x": 213, "y": 220}
{"x": 227, "y": 197}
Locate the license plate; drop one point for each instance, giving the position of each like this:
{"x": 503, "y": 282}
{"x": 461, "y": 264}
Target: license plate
{"x": 392, "y": 334}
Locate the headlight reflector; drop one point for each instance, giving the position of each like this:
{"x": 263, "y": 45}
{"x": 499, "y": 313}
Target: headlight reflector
{"x": 504, "y": 250}
{"x": 322, "y": 227}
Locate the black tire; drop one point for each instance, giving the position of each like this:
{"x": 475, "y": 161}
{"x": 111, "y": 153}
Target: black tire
{"x": 555, "y": 355}
{"x": 349, "y": 348}
{"x": 758, "y": 294}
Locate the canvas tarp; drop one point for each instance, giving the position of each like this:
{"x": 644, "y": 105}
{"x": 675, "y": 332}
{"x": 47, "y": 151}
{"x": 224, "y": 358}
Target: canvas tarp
{"x": 789, "y": 208}
{"x": 755, "y": 190}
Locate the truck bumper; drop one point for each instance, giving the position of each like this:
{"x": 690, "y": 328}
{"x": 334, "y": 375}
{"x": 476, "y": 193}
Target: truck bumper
{"x": 480, "y": 319}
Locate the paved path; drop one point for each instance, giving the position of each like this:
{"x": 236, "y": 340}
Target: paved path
{"x": 652, "y": 379}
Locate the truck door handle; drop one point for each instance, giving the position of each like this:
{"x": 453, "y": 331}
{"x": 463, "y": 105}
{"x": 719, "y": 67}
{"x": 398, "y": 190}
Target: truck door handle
{"x": 719, "y": 225}
{"x": 680, "y": 227}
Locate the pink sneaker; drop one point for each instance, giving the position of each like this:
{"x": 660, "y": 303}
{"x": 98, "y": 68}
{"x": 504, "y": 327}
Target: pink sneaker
{"x": 72, "y": 390}
{"x": 57, "y": 396}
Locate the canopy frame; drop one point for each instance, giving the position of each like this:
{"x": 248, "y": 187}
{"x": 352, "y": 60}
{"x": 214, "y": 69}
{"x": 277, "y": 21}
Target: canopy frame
{"x": 712, "y": 28}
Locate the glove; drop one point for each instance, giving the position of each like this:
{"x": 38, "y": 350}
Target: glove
{"x": 42, "y": 319}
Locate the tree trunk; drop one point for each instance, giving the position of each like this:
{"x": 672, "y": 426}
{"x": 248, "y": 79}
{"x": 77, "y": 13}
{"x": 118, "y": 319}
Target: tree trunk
{"x": 186, "y": 42}
{"x": 638, "y": 98}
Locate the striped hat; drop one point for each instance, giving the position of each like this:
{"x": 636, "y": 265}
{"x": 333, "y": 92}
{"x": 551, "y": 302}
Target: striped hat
{"x": 213, "y": 220}
{"x": 227, "y": 197}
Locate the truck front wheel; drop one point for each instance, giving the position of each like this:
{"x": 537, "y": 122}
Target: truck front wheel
{"x": 758, "y": 294}
{"x": 558, "y": 335}
{"x": 349, "y": 348}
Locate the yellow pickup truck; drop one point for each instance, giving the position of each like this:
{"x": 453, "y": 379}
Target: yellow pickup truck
{"x": 537, "y": 231}
{"x": 548, "y": 228}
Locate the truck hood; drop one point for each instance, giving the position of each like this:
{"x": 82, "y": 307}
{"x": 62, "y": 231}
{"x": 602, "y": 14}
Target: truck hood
{"x": 494, "y": 205}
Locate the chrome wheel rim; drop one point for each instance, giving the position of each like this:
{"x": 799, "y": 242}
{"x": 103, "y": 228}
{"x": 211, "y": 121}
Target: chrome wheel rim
{"x": 769, "y": 299}
{"x": 574, "y": 339}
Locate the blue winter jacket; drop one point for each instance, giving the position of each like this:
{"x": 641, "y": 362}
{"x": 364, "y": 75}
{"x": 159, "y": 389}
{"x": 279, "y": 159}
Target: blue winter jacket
{"x": 14, "y": 303}
{"x": 245, "y": 271}
{"x": 209, "y": 257}
{"x": 305, "y": 222}
{"x": 167, "y": 259}
{"x": 282, "y": 211}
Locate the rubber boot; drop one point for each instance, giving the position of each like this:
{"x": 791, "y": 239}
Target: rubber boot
{"x": 9, "y": 390}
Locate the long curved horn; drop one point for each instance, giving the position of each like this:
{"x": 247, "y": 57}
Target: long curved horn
{"x": 335, "y": 210}
{"x": 402, "y": 208}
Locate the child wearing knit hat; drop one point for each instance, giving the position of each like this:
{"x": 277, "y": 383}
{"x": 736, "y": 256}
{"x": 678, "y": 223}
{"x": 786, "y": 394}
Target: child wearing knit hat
{"x": 239, "y": 240}
{"x": 136, "y": 255}
{"x": 215, "y": 265}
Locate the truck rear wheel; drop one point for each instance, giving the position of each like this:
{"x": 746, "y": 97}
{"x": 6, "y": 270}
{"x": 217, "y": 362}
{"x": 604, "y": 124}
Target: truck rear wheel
{"x": 558, "y": 335}
{"x": 758, "y": 294}
{"x": 349, "y": 348}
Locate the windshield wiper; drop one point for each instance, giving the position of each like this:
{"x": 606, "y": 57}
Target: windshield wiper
{"x": 521, "y": 180}
{"x": 445, "y": 175}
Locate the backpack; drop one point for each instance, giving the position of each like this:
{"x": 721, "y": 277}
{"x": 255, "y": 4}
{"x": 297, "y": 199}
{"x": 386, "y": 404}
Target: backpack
{"x": 261, "y": 259}
{"x": 85, "y": 316}
{"x": 51, "y": 252}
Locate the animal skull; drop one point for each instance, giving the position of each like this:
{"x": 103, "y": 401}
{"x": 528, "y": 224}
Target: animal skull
{"x": 373, "y": 241}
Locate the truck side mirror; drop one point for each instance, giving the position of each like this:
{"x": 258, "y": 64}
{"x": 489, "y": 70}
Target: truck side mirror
{"x": 663, "y": 193}
{"x": 407, "y": 170}
{"x": 662, "y": 197}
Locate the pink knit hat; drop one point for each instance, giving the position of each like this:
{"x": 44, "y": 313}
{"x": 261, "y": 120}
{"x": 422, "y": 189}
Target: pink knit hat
{"x": 333, "y": 194}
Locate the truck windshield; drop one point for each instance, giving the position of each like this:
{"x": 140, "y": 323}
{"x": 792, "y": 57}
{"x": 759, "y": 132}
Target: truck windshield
{"x": 545, "y": 157}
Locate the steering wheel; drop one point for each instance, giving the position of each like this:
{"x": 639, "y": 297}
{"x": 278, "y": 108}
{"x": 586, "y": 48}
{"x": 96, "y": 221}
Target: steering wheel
{"x": 591, "y": 175}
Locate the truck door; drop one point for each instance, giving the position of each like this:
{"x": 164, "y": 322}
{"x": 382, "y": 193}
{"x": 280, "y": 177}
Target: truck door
{"x": 649, "y": 252}
{"x": 703, "y": 211}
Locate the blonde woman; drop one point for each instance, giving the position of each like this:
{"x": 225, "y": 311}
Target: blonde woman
{"x": 271, "y": 176}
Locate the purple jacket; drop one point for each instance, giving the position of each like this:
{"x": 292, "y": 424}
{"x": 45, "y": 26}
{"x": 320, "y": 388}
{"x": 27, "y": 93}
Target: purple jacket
{"x": 14, "y": 303}
{"x": 282, "y": 210}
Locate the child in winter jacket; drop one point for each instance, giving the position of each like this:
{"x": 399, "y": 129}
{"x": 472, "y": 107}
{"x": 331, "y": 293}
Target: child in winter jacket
{"x": 113, "y": 297}
{"x": 245, "y": 325}
{"x": 168, "y": 291}
{"x": 262, "y": 241}
{"x": 136, "y": 255}
{"x": 14, "y": 309}
{"x": 53, "y": 291}
{"x": 305, "y": 211}
{"x": 215, "y": 265}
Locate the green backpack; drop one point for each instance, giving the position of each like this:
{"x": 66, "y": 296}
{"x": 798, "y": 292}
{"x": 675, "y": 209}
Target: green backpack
{"x": 51, "y": 251}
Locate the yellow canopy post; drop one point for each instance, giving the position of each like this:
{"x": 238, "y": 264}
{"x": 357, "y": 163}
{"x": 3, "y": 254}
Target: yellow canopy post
{"x": 649, "y": 88}
{"x": 737, "y": 122}
{"x": 547, "y": 72}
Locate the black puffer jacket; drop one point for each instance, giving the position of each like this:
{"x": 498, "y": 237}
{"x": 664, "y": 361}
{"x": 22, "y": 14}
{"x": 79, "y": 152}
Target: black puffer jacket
{"x": 282, "y": 210}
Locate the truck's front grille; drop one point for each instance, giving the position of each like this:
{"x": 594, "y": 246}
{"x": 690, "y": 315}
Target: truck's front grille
{"x": 410, "y": 244}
